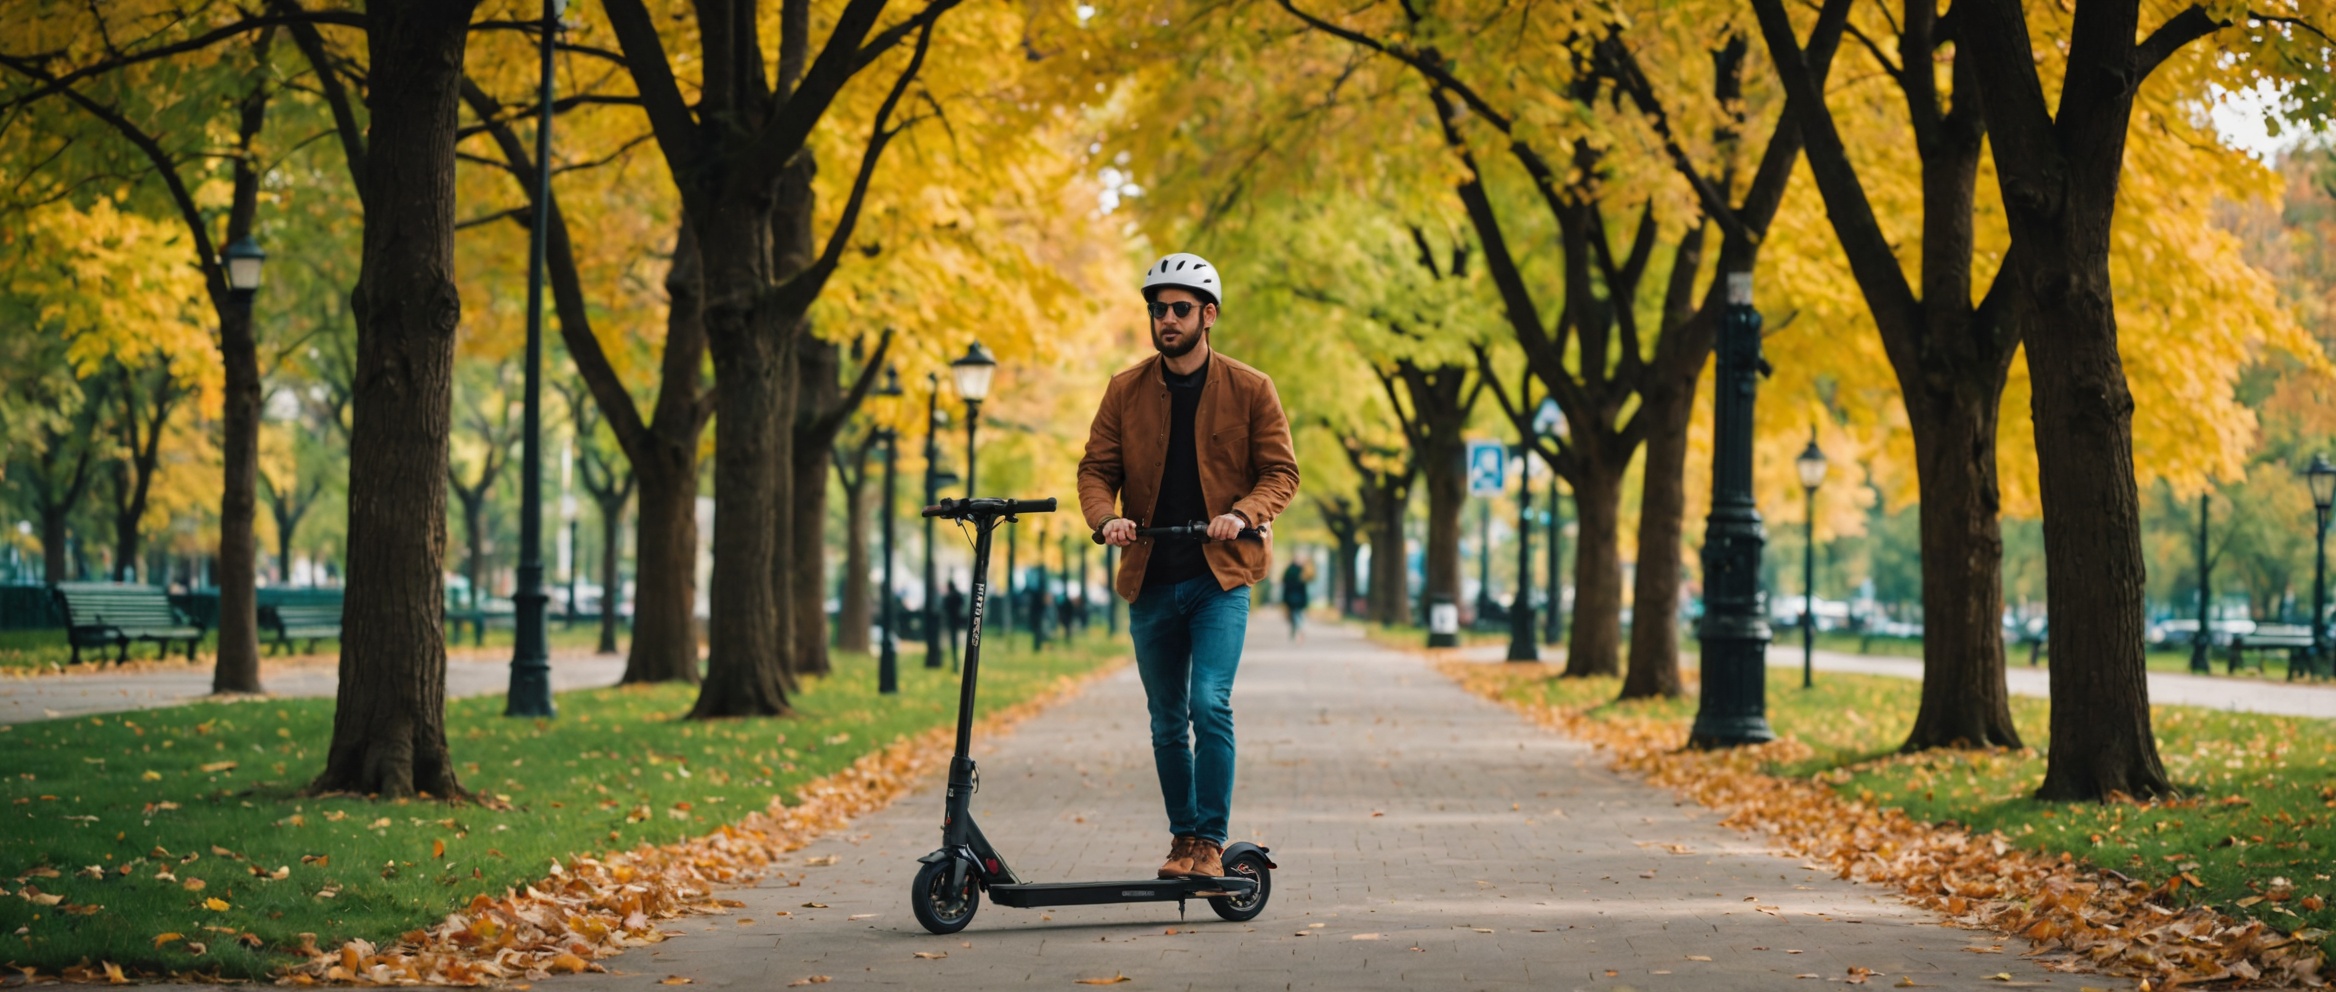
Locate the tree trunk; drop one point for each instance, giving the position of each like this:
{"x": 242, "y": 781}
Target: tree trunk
{"x": 2059, "y": 182}
{"x": 852, "y": 614}
{"x": 1349, "y": 555}
{"x": 2102, "y": 744}
{"x": 389, "y": 719}
{"x": 612, "y": 517}
{"x": 237, "y": 668}
{"x": 1447, "y": 485}
{"x": 665, "y": 573}
{"x": 1390, "y": 597}
{"x": 746, "y": 664}
{"x": 1669, "y": 402}
{"x": 1964, "y": 699}
{"x": 474, "y": 523}
{"x": 53, "y": 543}
{"x": 1593, "y": 647}
{"x": 817, "y": 363}
{"x": 126, "y": 533}
{"x": 810, "y": 578}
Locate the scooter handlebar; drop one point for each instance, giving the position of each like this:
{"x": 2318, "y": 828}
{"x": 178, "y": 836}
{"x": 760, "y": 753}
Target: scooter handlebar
{"x": 957, "y": 509}
{"x": 1191, "y": 532}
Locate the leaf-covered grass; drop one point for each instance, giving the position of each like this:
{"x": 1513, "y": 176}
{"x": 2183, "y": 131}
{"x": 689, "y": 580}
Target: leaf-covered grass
{"x": 169, "y": 821}
{"x": 2257, "y": 803}
{"x": 1409, "y": 637}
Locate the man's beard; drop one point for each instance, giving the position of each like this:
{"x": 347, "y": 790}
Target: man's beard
{"x": 1191, "y": 341}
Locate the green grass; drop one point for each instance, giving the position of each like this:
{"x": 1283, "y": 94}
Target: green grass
{"x": 106, "y": 792}
{"x": 38, "y": 649}
{"x": 2258, "y": 793}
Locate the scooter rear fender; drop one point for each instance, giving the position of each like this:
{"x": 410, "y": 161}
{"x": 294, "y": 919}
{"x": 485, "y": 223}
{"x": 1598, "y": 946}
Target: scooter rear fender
{"x": 1243, "y": 846}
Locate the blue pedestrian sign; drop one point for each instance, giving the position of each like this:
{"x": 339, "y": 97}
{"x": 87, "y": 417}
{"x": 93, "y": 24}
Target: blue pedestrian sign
{"x": 1488, "y": 468}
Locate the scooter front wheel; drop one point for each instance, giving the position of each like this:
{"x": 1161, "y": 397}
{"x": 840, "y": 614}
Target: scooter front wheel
{"x": 1243, "y": 908}
{"x": 938, "y": 909}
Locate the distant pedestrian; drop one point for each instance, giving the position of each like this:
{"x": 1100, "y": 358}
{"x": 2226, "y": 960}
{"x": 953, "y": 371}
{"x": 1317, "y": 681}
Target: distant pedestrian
{"x": 953, "y": 609}
{"x": 1296, "y": 597}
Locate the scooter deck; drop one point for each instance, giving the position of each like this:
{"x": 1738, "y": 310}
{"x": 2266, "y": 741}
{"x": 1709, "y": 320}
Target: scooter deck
{"x": 1033, "y": 895}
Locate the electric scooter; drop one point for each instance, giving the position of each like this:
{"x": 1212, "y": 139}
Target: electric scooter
{"x": 948, "y": 889}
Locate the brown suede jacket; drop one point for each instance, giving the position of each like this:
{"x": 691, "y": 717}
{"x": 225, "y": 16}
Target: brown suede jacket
{"x": 1246, "y": 463}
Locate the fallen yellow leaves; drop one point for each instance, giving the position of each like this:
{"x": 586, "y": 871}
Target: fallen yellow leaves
{"x": 595, "y": 907}
{"x": 2099, "y": 920}
{"x": 1113, "y": 980}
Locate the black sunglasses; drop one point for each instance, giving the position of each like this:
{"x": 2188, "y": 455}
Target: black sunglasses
{"x": 1183, "y": 308}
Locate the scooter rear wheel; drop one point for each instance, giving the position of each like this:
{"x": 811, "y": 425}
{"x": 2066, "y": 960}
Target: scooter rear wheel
{"x": 1243, "y": 908}
{"x": 938, "y": 910}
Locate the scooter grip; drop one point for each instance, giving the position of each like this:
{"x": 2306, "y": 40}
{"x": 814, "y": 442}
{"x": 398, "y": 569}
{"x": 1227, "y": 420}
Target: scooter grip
{"x": 1031, "y": 505}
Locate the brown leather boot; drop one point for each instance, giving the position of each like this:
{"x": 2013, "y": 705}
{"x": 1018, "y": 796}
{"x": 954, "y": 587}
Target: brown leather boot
{"x": 1179, "y": 863}
{"x": 1208, "y": 860}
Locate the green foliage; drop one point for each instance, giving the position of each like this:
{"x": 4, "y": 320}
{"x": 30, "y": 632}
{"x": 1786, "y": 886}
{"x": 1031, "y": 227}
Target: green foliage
{"x": 107, "y": 792}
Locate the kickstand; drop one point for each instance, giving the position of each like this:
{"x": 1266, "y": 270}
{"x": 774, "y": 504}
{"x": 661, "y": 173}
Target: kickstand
{"x": 1179, "y": 909}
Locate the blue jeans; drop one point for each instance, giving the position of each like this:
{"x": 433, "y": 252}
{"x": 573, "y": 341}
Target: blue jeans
{"x": 1188, "y": 646}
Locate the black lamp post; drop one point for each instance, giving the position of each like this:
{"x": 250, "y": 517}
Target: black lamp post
{"x": 2321, "y": 476}
{"x": 932, "y": 614}
{"x": 1549, "y": 421}
{"x": 1734, "y": 631}
{"x": 530, "y": 693}
{"x": 1553, "y": 632}
{"x": 1521, "y": 646}
{"x": 1811, "y": 465}
{"x": 1483, "y": 560}
{"x": 2202, "y": 641}
{"x": 973, "y": 371}
{"x": 888, "y": 652}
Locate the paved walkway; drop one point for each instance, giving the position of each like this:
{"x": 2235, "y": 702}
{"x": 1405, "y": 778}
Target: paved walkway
{"x": 1427, "y": 840}
{"x": 2236, "y": 694}
{"x": 50, "y": 696}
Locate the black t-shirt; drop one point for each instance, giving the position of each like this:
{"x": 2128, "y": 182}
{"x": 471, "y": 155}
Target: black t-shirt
{"x": 1180, "y": 499}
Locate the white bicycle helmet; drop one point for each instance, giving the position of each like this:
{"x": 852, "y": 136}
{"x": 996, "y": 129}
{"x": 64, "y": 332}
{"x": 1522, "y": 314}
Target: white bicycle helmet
{"x": 1185, "y": 270}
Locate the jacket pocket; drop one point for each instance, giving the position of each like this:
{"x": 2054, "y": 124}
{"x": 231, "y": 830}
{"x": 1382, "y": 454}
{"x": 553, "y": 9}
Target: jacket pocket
{"x": 1230, "y": 448}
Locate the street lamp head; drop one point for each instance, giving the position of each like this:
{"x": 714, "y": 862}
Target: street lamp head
{"x": 891, "y": 385}
{"x": 244, "y": 260}
{"x": 1811, "y": 464}
{"x": 2321, "y": 476}
{"x": 973, "y": 373}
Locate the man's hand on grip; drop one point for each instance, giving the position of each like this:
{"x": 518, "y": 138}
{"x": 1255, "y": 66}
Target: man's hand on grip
{"x": 1119, "y": 532}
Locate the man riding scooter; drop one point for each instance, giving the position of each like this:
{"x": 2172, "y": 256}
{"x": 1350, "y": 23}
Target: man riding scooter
{"x": 1189, "y": 435}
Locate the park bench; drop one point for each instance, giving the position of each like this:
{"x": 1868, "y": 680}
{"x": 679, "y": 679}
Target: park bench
{"x": 2295, "y": 639}
{"x": 477, "y": 619}
{"x": 311, "y": 622}
{"x": 102, "y": 613}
